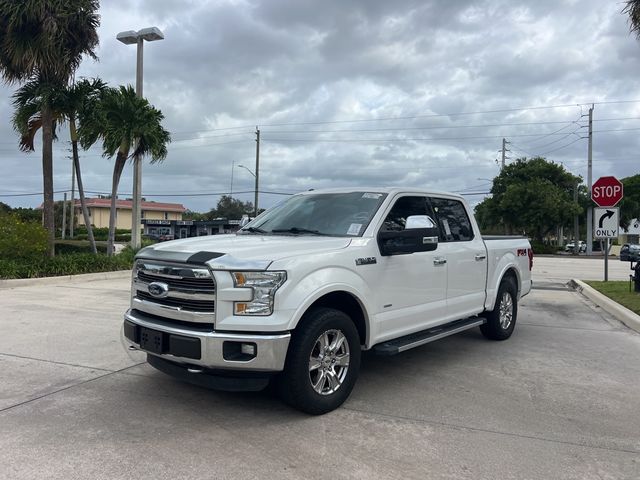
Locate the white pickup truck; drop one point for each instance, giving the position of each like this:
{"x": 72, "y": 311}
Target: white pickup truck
{"x": 298, "y": 293}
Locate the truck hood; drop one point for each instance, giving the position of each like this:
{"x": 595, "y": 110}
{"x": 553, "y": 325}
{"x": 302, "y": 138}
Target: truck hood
{"x": 241, "y": 251}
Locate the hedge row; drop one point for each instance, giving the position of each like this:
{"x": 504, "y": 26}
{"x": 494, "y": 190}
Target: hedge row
{"x": 70, "y": 264}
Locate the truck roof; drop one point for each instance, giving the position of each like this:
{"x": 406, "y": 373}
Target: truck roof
{"x": 388, "y": 190}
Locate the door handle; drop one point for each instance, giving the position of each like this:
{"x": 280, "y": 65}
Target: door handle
{"x": 439, "y": 261}
{"x": 480, "y": 257}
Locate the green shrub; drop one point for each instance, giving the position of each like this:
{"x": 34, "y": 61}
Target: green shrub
{"x": 543, "y": 248}
{"x": 67, "y": 248}
{"x": 21, "y": 239}
{"x": 70, "y": 264}
{"x": 101, "y": 234}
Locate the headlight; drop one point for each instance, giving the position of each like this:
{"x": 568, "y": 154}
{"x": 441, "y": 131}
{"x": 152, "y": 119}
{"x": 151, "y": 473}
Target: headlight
{"x": 264, "y": 286}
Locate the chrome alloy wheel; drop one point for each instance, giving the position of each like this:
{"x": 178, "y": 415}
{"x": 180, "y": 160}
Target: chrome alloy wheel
{"x": 506, "y": 310}
{"x": 329, "y": 362}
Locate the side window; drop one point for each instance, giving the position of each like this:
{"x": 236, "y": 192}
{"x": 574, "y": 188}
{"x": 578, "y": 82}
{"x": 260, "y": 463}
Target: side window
{"x": 405, "y": 207}
{"x": 453, "y": 220}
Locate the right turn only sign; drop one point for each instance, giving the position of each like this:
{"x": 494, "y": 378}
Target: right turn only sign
{"x": 606, "y": 222}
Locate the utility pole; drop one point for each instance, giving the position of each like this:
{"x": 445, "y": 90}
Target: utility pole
{"x": 576, "y": 223}
{"x": 255, "y": 204}
{"x": 73, "y": 206}
{"x": 504, "y": 152}
{"x": 64, "y": 214}
{"x": 589, "y": 165}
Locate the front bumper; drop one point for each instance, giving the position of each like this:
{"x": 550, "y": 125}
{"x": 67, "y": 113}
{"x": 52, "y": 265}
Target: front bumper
{"x": 209, "y": 349}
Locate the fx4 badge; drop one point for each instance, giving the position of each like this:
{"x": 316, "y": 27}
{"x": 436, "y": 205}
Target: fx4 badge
{"x": 366, "y": 261}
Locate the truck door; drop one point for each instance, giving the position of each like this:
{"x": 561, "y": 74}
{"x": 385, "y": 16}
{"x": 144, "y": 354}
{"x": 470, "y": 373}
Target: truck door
{"x": 466, "y": 257}
{"x": 411, "y": 289}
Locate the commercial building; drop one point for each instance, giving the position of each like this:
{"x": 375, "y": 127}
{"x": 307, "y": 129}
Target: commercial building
{"x": 170, "y": 229}
{"x": 99, "y": 209}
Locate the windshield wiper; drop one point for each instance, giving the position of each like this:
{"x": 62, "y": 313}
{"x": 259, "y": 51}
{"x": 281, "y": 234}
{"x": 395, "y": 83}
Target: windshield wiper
{"x": 253, "y": 230}
{"x": 298, "y": 231}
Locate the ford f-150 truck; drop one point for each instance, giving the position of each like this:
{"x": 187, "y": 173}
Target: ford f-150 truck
{"x": 298, "y": 293}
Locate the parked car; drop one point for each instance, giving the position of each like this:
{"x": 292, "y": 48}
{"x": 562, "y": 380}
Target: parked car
{"x": 630, "y": 252}
{"x": 301, "y": 290}
{"x": 157, "y": 237}
{"x": 570, "y": 247}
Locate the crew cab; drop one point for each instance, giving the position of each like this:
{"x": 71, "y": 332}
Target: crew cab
{"x": 298, "y": 293}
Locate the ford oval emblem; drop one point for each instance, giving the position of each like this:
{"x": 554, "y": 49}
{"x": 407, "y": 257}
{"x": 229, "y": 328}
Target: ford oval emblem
{"x": 158, "y": 289}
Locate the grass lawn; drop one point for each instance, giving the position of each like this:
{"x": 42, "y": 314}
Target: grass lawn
{"x": 619, "y": 291}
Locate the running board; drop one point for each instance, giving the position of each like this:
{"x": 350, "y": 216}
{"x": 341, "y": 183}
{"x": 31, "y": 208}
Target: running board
{"x": 397, "y": 345}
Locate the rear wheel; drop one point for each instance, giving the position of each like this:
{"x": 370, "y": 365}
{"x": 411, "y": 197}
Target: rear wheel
{"x": 502, "y": 319}
{"x": 323, "y": 362}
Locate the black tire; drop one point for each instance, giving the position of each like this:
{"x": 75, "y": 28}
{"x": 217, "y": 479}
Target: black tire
{"x": 296, "y": 383}
{"x": 502, "y": 319}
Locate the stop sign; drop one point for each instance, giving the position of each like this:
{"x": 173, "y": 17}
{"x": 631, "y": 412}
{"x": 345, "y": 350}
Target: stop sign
{"x": 607, "y": 191}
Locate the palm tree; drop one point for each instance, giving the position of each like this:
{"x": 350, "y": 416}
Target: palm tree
{"x": 65, "y": 105}
{"x": 632, "y": 8}
{"x": 45, "y": 40}
{"x": 128, "y": 126}
{"x": 81, "y": 96}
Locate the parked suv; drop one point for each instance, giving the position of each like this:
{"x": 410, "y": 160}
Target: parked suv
{"x": 630, "y": 252}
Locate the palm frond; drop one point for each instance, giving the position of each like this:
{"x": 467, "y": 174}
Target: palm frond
{"x": 632, "y": 8}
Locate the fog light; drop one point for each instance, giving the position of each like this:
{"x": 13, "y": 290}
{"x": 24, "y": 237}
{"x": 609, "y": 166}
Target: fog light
{"x": 248, "y": 349}
{"x": 239, "y": 351}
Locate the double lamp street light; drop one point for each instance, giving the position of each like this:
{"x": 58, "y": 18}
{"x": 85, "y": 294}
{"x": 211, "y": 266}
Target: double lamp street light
{"x": 131, "y": 37}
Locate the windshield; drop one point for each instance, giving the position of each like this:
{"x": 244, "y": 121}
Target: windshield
{"x": 334, "y": 214}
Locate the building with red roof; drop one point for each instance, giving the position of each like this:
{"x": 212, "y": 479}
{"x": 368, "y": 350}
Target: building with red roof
{"x": 99, "y": 209}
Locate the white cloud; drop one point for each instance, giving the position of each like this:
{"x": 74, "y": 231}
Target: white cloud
{"x": 234, "y": 64}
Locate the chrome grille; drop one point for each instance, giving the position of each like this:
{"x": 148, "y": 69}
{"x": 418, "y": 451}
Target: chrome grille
{"x": 188, "y": 291}
{"x": 183, "y": 282}
{"x": 190, "y": 305}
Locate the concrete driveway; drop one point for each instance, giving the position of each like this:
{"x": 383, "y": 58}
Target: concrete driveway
{"x": 559, "y": 400}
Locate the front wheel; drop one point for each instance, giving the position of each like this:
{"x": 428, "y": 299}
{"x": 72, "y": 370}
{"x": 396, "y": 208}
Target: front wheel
{"x": 502, "y": 319}
{"x": 323, "y": 362}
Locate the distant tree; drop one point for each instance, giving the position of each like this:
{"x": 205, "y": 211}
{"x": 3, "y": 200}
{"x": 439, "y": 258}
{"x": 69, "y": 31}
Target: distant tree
{"x": 45, "y": 40}
{"x": 128, "y": 126}
{"x": 531, "y": 197}
{"x": 28, "y": 214}
{"x": 632, "y": 8}
{"x": 190, "y": 215}
{"x": 4, "y": 208}
{"x": 630, "y": 204}
{"x": 231, "y": 208}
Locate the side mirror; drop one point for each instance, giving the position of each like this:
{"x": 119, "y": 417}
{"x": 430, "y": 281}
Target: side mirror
{"x": 408, "y": 241}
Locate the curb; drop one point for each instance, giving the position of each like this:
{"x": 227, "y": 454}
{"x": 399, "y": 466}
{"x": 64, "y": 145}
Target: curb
{"x": 85, "y": 277}
{"x": 626, "y": 316}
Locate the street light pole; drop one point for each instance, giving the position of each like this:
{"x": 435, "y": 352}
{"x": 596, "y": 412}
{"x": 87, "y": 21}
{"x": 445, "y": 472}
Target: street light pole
{"x": 128, "y": 38}
{"x": 233, "y": 165}
{"x": 136, "y": 208}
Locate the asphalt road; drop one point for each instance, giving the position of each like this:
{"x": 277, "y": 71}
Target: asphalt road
{"x": 559, "y": 400}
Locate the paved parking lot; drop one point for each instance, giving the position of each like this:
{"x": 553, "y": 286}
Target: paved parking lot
{"x": 559, "y": 400}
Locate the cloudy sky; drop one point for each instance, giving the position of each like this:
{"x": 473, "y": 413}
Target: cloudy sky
{"x": 350, "y": 93}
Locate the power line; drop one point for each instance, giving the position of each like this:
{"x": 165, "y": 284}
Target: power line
{"x": 564, "y": 146}
{"x": 433, "y": 115}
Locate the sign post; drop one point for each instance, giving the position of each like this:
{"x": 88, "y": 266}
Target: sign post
{"x": 606, "y": 192}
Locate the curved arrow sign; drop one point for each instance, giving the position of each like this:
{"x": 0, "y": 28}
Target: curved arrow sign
{"x": 609, "y": 214}
{"x": 606, "y": 222}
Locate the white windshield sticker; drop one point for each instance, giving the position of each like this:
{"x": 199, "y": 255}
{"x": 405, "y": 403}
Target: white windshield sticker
{"x": 354, "y": 229}
{"x": 375, "y": 196}
{"x": 445, "y": 224}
